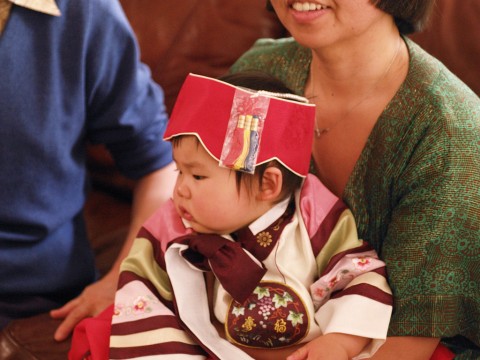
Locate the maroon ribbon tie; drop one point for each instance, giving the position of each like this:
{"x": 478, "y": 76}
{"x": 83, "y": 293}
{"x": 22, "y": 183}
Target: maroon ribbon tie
{"x": 238, "y": 273}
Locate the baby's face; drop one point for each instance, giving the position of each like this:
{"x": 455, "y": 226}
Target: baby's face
{"x": 206, "y": 195}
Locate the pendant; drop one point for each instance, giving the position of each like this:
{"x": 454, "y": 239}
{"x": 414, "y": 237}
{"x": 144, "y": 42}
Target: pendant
{"x": 320, "y": 132}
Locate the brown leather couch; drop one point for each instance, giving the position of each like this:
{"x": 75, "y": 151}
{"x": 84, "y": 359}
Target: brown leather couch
{"x": 453, "y": 37}
{"x": 200, "y": 36}
{"x": 205, "y": 37}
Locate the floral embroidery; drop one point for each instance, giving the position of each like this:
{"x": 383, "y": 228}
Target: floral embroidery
{"x": 361, "y": 262}
{"x": 261, "y": 292}
{"x": 139, "y": 306}
{"x": 264, "y": 239}
{"x": 238, "y": 310}
{"x": 272, "y": 316}
{"x": 118, "y": 309}
{"x": 342, "y": 273}
{"x": 295, "y": 318}
{"x": 319, "y": 292}
{"x": 282, "y": 300}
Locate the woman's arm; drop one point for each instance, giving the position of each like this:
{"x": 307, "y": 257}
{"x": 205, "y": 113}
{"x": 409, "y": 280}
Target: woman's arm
{"x": 407, "y": 348}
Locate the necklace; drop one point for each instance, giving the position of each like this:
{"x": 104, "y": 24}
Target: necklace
{"x": 322, "y": 131}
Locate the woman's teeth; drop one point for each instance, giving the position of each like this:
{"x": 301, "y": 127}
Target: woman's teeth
{"x": 306, "y": 6}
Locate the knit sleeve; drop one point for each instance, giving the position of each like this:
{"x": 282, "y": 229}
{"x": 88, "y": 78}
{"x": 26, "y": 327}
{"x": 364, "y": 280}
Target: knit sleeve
{"x": 431, "y": 246}
{"x": 125, "y": 109}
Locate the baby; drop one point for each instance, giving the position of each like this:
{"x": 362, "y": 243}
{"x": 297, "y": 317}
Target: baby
{"x": 253, "y": 257}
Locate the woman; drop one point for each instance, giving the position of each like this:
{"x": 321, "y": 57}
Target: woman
{"x": 397, "y": 137}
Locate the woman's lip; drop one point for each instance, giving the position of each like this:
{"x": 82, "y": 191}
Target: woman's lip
{"x": 307, "y": 16}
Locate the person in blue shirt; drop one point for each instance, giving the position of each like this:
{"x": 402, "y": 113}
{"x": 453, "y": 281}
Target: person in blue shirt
{"x": 71, "y": 76}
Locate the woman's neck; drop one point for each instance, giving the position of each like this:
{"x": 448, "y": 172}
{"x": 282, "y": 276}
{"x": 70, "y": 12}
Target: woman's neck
{"x": 351, "y": 86}
{"x": 348, "y": 70}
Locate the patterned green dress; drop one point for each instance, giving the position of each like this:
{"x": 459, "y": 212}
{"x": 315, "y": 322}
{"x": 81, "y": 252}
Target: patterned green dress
{"x": 415, "y": 191}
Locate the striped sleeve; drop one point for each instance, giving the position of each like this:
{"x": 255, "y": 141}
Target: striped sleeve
{"x": 352, "y": 295}
{"x": 144, "y": 324}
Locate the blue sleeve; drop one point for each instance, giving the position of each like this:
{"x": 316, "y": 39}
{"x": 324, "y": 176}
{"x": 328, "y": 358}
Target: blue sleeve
{"x": 125, "y": 107}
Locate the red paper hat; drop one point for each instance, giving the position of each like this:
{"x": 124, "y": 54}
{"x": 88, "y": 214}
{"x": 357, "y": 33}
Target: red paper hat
{"x": 215, "y": 112}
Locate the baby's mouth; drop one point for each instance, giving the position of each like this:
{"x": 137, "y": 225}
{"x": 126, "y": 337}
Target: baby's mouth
{"x": 185, "y": 214}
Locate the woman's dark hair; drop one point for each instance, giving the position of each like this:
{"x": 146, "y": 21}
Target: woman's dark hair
{"x": 256, "y": 80}
{"x": 410, "y": 15}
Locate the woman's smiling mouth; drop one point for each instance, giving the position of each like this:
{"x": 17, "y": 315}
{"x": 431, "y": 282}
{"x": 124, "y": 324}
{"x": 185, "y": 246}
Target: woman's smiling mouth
{"x": 307, "y": 6}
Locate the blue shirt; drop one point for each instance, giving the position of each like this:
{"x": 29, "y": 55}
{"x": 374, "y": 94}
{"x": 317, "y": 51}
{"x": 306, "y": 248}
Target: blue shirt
{"x": 66, "y": 81}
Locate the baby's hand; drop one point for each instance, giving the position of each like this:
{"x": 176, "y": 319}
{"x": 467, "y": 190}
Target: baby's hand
{"x": 333, "y": 346}
{"x": 321, "y": 348}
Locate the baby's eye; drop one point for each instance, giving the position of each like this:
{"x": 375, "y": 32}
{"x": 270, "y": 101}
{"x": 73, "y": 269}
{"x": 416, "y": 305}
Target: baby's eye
{"x": 198, "y": 177}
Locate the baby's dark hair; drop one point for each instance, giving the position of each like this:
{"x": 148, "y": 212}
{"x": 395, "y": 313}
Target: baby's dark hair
{"x": 256, "y": 80}
{"x": 290, "y": 181}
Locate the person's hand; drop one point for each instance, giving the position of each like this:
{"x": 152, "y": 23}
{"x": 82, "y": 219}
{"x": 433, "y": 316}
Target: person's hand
{"x": 93, "y": 300}
{"x": 321, "y": 348}
{"x": 332, "y": 346}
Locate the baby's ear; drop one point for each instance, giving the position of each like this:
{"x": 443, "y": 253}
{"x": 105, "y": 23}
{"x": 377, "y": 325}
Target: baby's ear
{"x": 271, "y": 185}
